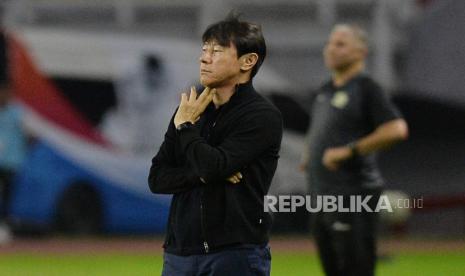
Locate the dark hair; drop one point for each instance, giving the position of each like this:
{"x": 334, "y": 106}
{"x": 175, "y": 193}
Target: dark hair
{"x": 246, "y": 37}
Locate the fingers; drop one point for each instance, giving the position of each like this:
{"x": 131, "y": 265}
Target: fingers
{"x": 235, "y": 178}
{"x": 206, "y": 100}
{"x": 331, "y": 165}
{"x": 193, "y": 95}
{"x": 205, "y": 92}
{"x": 192, "y": 107}
{"x": 183, "y": 98}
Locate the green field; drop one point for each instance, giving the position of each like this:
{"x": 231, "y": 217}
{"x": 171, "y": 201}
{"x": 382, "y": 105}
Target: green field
{"x": 424, "y": 264}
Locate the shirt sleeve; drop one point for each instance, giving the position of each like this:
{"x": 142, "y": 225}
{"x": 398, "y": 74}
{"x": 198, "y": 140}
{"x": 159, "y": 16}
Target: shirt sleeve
{"x": 166, "y": 175}
{"x": 252, "y": 136}
{"x": 379, "y": 106}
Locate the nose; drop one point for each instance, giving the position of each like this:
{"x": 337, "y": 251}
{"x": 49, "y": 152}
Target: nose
{"x": 205, "y": 57}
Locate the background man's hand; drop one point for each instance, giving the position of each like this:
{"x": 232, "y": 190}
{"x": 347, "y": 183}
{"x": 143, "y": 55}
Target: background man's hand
{"x": 191, "y": 108}
{"x": 334, "y": 157}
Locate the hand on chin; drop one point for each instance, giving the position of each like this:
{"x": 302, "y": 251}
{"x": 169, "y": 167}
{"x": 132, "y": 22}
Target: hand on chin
{"x": 206, "y": 82}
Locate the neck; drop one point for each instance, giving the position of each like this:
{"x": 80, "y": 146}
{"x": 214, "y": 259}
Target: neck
{"x": 341, "y": 77}
{"x": 224, "y": 93}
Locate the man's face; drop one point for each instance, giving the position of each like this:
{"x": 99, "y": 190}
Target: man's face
{"x": 219, "y": 65}
{"x": 342, "y": 50}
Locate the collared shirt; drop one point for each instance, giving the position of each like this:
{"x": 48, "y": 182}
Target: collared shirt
{"x": 341, "y": 115}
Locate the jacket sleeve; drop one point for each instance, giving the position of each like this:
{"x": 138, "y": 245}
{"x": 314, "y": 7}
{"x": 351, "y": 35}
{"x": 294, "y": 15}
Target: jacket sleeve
{"x": 250, "y": 138}
{"x": 166, "y": 176}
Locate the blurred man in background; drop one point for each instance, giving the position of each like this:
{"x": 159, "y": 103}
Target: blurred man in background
{"x": 351, "y": 120}
{"x": 218, "y": 158}
{"x": 12, "y": 139}
{"x": 144, "y": 103}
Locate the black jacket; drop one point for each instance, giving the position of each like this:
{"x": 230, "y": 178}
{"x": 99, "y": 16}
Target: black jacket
{"x": 244, "y": 137}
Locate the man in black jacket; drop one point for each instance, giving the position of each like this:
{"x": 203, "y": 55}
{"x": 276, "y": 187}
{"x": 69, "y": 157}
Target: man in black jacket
{"x": 218, "y": 158}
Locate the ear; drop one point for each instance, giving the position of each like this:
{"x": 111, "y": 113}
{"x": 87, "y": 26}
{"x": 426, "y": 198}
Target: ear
{"x": 248, "y": 61}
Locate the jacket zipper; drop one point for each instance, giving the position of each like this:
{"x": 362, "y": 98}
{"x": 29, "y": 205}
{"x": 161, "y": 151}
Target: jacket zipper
{"x": 202, "y": 217}
{"x": 202, "y": 226}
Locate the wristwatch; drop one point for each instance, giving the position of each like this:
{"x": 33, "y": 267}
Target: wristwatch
{"x": 185, "y": 125}
{"x": 353, "y": 149}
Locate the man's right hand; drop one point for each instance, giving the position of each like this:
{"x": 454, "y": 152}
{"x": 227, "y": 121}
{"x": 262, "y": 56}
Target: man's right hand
{"x": 191, "y": 108}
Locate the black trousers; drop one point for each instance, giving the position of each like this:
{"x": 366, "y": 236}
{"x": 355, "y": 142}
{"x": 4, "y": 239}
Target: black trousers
{"x": 346, "y": 241}
{"x": 6, "y": 177}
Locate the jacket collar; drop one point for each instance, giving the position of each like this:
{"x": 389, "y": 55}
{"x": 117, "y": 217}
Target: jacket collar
{"x": 244, "y": 92}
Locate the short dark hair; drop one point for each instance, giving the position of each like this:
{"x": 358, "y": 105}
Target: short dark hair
{"x": 245, "y": 36}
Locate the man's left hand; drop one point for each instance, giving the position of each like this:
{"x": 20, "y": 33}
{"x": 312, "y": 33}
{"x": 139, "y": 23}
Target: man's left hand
{"x": 235, "y": 178}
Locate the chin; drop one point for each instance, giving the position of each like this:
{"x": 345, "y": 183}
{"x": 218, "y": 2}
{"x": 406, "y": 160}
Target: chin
{"x": 204, "y": 83}
{"x": 207, "y": 83}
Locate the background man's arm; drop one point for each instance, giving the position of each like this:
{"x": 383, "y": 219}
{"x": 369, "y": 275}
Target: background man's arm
{"x": 384, "y": 136}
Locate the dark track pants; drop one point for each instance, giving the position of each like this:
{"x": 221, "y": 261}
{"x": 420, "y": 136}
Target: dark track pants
{"x": 228, "y": 262}
{"x": 346, "y": 242}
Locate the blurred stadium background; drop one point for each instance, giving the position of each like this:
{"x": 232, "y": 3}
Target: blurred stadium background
{"x": 92, "y": 74}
